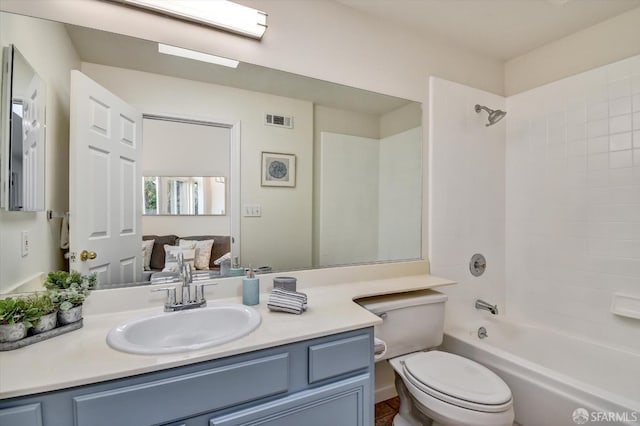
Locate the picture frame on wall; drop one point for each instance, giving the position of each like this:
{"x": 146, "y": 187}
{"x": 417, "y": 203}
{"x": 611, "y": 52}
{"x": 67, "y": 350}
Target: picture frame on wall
{"x": 278, "y": 169}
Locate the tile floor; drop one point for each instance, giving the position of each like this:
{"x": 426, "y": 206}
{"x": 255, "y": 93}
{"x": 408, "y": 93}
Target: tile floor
{"x": 385, "y": 410}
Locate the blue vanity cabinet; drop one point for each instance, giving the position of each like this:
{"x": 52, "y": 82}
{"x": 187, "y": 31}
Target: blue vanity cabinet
{"x": 328, "y": 380}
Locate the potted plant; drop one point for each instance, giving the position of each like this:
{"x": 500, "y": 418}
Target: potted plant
{"x": 68, "y": 290}
{"x": 43, "y": 306}
{"x": 16, "y": 317}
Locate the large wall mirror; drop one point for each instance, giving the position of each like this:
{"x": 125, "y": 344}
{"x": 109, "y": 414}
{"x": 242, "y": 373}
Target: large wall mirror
{"x": 357, "y": 196}
{"x": 22, "y": 156}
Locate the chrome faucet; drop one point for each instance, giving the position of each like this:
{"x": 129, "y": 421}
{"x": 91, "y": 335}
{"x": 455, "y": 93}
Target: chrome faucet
{"x": 172, "y": 305}
{"x": 481, "y": 304}
{"x": 186, "y": 274}
{"x": 187, "y": 279}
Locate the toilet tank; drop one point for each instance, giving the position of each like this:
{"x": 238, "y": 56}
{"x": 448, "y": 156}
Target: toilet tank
{"x": 412, "y": 321}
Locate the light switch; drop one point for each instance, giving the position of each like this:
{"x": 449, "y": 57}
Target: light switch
{"x": 25, "y": 243}
{"x": 252, "y": 210}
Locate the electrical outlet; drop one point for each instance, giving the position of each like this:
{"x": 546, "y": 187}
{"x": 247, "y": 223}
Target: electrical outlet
{"x": 25, "y": 243}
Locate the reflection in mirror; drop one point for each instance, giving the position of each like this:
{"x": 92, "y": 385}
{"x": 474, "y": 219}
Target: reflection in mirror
{"x": 23, "y": 112}
{"x": 184, "y": 195}
{"x": 358, "y": 191}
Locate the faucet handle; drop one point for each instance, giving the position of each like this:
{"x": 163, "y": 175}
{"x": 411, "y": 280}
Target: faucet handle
{"x": 200, "y": 291}
{"x": 171, "y": 295}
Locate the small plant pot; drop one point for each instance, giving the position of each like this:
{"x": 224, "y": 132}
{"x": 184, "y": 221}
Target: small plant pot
{"x": 46, "y": 323}
{"x": 70, "y": 315}
{"x": 12, "y": 332}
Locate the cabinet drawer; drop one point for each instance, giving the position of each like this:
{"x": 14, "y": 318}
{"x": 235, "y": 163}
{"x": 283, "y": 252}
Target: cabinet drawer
{"x": 23, "y": 415}
{"x": 346, "y": 402}
{"x": 183, "y": 396}
{"x": 339, "y": 357}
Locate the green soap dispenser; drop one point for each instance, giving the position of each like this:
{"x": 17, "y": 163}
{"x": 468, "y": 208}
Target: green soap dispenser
{"x": 250, "y": 289}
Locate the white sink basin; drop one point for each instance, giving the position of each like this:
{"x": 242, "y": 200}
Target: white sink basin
{"x": 194, "y": 329}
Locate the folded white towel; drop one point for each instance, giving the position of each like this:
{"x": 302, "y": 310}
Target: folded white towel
{"x": 287, "y": 301}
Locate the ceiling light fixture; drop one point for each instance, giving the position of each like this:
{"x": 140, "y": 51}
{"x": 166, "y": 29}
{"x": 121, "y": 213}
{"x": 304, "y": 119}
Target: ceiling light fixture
{"x": 196, "y": 56}
{"x": 220, "y": 14}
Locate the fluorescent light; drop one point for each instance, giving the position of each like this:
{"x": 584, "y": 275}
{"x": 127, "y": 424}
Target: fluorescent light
{"x": 221, "y": 14}
{"x": 196, "y": 56}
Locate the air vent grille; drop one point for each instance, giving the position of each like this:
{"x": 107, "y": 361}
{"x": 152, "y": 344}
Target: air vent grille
{"x": 278, "y": 120}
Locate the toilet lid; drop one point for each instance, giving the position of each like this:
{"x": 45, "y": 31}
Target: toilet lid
{"x": 457, "y": 378}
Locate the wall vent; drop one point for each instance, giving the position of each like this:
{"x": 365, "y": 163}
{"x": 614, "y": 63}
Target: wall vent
{"x": 278, "y": 120}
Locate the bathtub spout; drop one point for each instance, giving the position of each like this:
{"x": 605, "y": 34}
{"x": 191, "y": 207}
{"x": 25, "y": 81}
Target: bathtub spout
{"x": 481, "y": 304}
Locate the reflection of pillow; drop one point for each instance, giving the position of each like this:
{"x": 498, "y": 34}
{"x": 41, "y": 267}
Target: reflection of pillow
{"x": 171, "y": 259}
{"x": 226, "y": 256}
{"x": 203, "y": 251}
{"x": 147, "y": 248}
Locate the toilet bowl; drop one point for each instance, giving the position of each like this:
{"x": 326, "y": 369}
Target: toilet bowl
{"x": 451, "y": 391}
{"x": 435, "y": 388}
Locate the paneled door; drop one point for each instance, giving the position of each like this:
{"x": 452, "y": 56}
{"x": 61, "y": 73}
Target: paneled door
{"x": 33, "y": 145}
{"x": 105, "y": 184}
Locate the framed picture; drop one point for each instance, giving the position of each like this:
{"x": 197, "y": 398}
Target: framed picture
{"x": 278, "y": 169}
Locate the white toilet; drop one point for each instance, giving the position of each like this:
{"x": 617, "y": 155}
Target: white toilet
{"x": 435, "y": 388}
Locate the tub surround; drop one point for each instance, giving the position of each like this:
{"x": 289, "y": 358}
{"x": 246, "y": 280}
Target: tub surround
{"x": 83, "y": 357}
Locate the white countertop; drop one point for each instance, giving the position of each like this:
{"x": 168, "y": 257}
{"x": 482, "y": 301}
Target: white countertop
{"x": 83, "y": 356}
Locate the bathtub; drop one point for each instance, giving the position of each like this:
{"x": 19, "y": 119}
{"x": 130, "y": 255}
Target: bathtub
{"x": 551, "y": 375}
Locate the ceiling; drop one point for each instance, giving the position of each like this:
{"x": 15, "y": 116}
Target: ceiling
{"x": 501, "y": 29}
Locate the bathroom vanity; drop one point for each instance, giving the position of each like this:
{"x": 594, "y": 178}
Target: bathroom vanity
{"x": 309, "y": 369}
{"x": 321, "y": 381}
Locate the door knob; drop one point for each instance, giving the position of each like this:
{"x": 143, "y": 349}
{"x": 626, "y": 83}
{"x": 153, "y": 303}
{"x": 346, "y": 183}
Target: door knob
{"x": 86, "y": 255}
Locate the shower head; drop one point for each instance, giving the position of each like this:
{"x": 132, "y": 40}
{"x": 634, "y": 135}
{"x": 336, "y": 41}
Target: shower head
{"x": 494, "y": 115}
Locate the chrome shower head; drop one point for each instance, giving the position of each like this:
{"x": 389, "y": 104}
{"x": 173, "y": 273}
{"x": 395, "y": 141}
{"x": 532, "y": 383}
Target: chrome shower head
{"x": 494, "y": 115}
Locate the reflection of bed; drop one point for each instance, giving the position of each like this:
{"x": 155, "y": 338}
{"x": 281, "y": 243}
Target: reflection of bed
{"x": 221, "y": 245}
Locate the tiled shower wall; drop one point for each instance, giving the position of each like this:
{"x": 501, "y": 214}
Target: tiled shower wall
{"x": 466, "y": 196}
{"x": 573, "y": 202}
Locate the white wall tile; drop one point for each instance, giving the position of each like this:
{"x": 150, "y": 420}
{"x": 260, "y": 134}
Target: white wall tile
{"x": 619, "y": 159}
{"x": 467, "y": 186}
{"x": 620, "y": 141}
{"x": 619, "y": 124}
{"x": 584, "y": 230}
{"x": 620, "y": 106}
{"x": 597, "y": 128}
{"x": 598, "y": 161}
{"x": 597, "y": 110}
{"x": 619, "y": 88}
{"x": 636, "y": 102}
{"x": 597, "y": 145}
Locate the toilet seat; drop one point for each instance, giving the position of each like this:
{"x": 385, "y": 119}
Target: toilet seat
{"x": 457, "y": 381}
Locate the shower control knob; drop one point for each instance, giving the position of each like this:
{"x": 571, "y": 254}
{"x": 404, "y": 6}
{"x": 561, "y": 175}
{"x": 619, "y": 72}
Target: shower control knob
{"x": 477, "y": 265}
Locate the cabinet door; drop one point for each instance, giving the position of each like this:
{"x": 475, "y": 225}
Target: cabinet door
{"x": 23, "y": 415}
{"x": 344, "y": 403}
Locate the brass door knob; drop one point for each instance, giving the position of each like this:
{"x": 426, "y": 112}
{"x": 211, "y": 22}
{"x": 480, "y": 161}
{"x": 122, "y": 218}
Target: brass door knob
{"x": 85, "y": 255}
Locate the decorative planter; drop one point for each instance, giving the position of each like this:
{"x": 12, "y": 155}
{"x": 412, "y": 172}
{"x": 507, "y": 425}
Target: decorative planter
{"x": 12, "y": 332}
{"x": 46, "y": 323}
{"x": 70, "y": 315}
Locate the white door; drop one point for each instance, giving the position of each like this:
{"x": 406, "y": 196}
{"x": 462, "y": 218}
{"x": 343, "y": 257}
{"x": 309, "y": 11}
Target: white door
{"x": 33, "y": 145}
{"x": 105, "y": 190}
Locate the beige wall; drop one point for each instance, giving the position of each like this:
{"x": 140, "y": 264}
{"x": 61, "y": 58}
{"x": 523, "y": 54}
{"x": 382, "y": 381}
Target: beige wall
{"x": 53, "y": 63}
{"x": 601, "y": 44}
{"x": 281, "y": 238}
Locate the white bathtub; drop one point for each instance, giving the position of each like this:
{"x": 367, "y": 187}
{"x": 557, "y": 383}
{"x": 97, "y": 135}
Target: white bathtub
{"x": 551, "y": 375}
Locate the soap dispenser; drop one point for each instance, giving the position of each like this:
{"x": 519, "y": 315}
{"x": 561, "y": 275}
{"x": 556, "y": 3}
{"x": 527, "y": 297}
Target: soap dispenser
{"x": 250, "y": 288}
{"x": 236, "y": 270}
